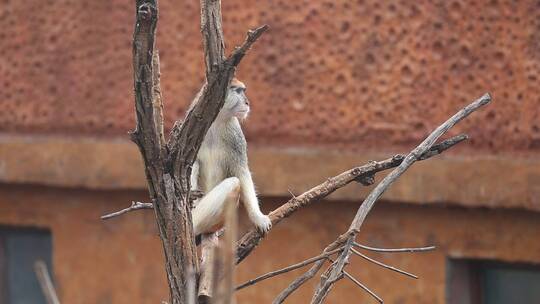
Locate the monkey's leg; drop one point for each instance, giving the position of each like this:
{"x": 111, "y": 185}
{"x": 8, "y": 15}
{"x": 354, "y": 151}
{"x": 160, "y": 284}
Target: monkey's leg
{"x": 209, "y": 211}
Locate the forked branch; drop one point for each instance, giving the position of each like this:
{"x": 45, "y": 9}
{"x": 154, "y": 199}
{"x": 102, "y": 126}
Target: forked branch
{"x": 251, "y": 239}
{"x": 336, "y": 270}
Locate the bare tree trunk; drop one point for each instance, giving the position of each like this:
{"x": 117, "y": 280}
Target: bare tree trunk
{"x": 167, "y": 192}
{"x": 168, "y": 164}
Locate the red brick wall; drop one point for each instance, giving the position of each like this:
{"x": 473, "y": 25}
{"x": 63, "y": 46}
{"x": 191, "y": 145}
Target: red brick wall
{"x": 358, "y": 74}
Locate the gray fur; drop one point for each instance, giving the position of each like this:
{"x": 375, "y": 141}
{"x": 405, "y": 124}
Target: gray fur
{"x": 221, "y": 168}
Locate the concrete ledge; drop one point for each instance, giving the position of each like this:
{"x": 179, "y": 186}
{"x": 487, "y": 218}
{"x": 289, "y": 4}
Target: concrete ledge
{"x": 115, "y": 164}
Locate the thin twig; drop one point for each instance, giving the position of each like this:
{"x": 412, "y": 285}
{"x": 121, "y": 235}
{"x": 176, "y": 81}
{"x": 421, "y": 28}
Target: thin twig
{"x": 194, "y": 195}
{"x": 298, "y": 282}
{"x": 251, "y": 239}
{"x": 45, "y": 281}
{"x": 383, "y": 265}
{"x": 291, "y": 193}
{"x": 287, "y": 269}
{"x": 306, "y": 276}
{"x": 392, "y": 250}
{"x": 134, "y": 206}
{"x": 364, "y": 287}
{"x": 331, "y": 275}
{"x": 252, "y": 36}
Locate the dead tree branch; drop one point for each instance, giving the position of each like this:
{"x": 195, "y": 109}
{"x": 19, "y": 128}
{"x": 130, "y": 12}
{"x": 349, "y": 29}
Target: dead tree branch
{"x": 394, "y": 250}
{"x": 346, "y": 240}
{"x": 383, "y": 265}
{"x": 194, "y": 194}
{"x": 364, "y": 287}
{"x": 134, "y": 206}
{"x": 311, "y": 272}
{"x": 251, "y": 239}
{"x": 45, "y": 282}
{"x": 336, "y": 270}
{"x": 287, "y": 269}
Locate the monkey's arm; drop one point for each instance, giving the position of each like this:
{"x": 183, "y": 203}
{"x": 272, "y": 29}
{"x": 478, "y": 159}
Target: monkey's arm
{"x": 249, "y": 198}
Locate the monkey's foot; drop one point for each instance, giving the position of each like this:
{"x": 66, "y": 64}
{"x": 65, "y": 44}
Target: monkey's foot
{"x": 262, "y": 222}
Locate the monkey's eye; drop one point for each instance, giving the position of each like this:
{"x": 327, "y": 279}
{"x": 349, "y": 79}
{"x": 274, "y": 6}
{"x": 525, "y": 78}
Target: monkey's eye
{"x": 239, "y": 90}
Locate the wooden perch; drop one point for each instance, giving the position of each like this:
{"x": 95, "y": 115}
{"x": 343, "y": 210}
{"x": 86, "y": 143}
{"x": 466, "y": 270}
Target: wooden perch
{"x": 251, "y": 239}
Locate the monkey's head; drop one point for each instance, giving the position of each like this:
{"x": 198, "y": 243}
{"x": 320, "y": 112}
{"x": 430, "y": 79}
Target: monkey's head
{"x": 236, "y": 102}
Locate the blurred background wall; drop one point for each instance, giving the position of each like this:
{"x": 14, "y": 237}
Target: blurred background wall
{"x": 332, "y": 85}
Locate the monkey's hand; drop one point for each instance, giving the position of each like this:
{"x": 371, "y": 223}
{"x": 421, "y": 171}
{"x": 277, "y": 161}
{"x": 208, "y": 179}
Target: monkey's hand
{"x": 262, "y": 222}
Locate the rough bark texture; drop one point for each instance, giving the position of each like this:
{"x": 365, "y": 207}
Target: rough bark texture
{"x": 168, "y": 165}
{"x": 170, "y": 202}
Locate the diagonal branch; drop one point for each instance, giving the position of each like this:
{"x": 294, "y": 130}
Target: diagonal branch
{"x": 383, "y": 265}
{"x": 364, "y": 287}
{"x": 251, "y": 239}
{"x": 298, "y": 282}
{"x": 337, "y": 268}
{"x": 251, "y": 38}
{"x": 45, "y": 282}
{"x": 287, "y": 269}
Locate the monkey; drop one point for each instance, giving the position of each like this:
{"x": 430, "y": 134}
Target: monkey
{"x": 221, "y": 169}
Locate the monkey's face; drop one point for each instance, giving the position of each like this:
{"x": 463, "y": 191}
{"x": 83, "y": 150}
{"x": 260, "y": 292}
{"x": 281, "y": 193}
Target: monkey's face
{"x": 236, "y": 102}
